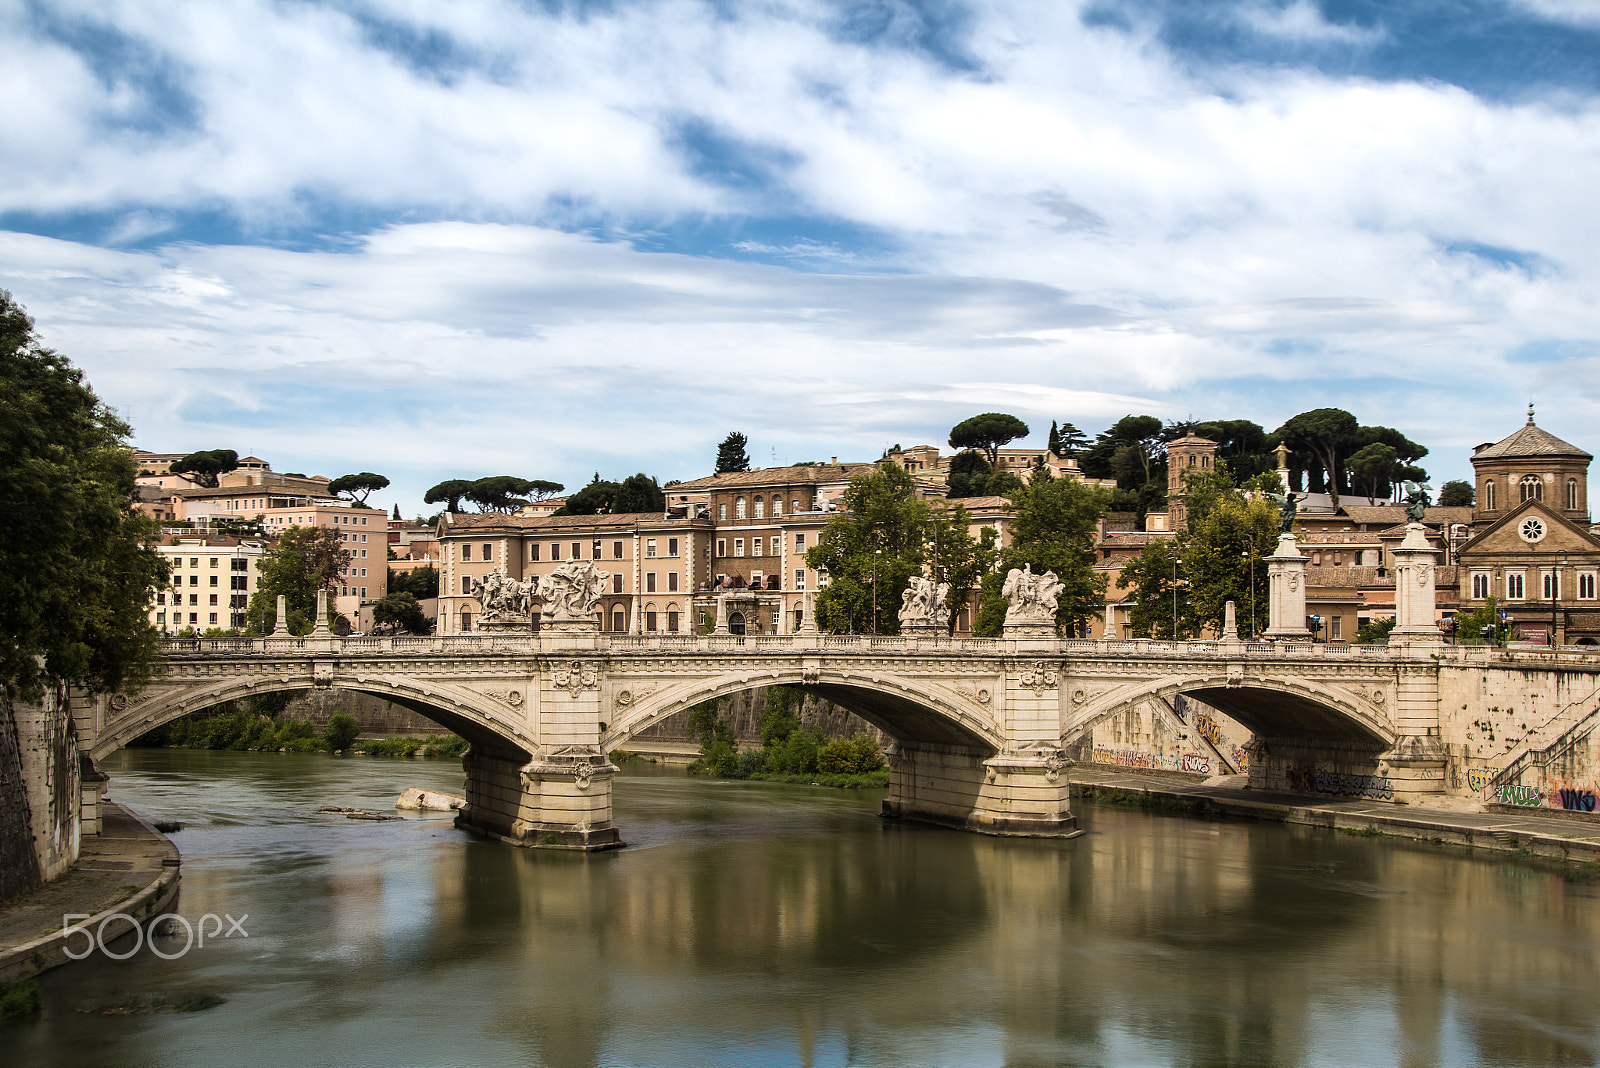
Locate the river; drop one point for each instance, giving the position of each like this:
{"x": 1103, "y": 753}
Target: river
{"x": 754, "y": 924}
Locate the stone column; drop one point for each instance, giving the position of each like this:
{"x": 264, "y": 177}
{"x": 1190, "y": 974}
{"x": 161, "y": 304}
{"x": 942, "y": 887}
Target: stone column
{"x": 1286, "y": 590}
{"x": 320, "y": 630}
{"x": 281, "y": 630}
{"x": 722, "y": 614}
{"x": 1414, "y": 583}
{"x": 808, "y": 608}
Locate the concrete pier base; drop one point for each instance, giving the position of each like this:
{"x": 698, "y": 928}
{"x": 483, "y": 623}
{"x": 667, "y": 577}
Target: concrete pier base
{"x": 1010, "y": 794}
{"x": 551, "y": 802}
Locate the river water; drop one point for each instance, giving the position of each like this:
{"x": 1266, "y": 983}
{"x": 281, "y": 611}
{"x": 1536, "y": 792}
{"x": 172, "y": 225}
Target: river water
{"x": 753, "y": 924}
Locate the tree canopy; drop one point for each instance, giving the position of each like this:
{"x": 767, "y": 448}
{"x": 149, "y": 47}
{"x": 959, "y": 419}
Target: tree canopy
{"x": 1457, "y": 494}
{"x": 1325, "y": 444}
{"x": 882, "y": 532}
{"x": 639, "y": 493}
{"x": 419, "y": 582}
{"x": 1053, "y": 530}
{"x": 448, "y": 493}
{"x": 305, "y": 560}
{"x": 968, "y": 473}
{"x": 731, "y": 455}
{"x": 400, "y": 610}
{"x": 987, "y": 433}
{"x": 358, "y": 487}
{"x": 496, "y": 493}
{"x": 206, "y": 466}
{"x": 76, "y": 568}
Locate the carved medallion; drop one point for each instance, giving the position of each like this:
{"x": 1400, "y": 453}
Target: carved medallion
{"x": 576, "y": 676}
{"x": 1039, "y": 678}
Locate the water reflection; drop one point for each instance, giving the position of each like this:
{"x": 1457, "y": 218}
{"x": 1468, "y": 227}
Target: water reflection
{"x": 752, "y": 924}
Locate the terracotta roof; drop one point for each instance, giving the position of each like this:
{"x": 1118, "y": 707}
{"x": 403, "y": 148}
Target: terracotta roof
{"x": 1530, "y": 440}
{"x": 478, "y": 523}
{"x": 1390, "y": 514}
{"x": 810, "y": 474}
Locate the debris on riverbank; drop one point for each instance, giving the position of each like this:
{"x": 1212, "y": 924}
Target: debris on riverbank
{"x": 357, "y": 813}
{"x": 418, "y": 799}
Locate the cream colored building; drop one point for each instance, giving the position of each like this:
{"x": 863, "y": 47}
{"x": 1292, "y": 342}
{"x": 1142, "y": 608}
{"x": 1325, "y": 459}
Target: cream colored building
{"x": 212, "y": 580}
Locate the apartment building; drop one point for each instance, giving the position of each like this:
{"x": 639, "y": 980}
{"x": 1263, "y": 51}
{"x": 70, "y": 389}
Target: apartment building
{"x": 212, "y": 580}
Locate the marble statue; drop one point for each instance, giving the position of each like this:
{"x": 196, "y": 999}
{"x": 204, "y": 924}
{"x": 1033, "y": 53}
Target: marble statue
{"x": 923, "y": 604}
{"x": 504, "y": 599}
{"x": 1031, "y": 598}
{"x": 572, "y": 591}
{"x": 1288, "y": 509}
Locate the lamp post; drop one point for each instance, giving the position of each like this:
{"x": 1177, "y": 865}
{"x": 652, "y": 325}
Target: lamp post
{"x": 1174, "y": 596}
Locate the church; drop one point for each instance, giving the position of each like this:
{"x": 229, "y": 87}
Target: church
{"x": 1532, "y": 547}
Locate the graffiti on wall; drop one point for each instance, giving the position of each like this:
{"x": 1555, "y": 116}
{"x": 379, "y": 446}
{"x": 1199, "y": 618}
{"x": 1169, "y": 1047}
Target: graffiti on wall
{"x": 1478, "y": 779}
{"x": 1208, "y": 728}
{"x": 1196, "y": 763}
{"x": 1526, "y": 796}
{"x": 1241, "y": 758}
{"x": 1136, "y": 758}
{"x": 1373, "y": 787}
{"x": 1574, "y": 798}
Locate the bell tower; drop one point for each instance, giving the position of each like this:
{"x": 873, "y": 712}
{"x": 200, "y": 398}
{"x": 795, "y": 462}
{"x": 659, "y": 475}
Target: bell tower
{"x": 1189, "y": 454}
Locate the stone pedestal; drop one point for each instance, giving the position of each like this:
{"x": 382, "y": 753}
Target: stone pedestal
{"x": 319, "y": 629}
{"x": 505, "y": 626}
{"x": 1286, "y": 591}
{"x": 1414, "y": 582}
{"x": 1020, "y": 794}
{"x": 281, "y": 628}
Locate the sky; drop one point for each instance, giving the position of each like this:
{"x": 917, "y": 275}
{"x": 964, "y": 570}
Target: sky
{"x": 446, "y": 239}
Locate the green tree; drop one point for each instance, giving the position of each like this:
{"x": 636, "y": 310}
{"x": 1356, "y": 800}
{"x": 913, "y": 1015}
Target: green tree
{"x": 731, "y": 454}
{"x": 500, "y": 493}
{"x": 1457, "y": 494}
{"x": 449, "y": 493}
{"x": 358, "y": 487}
{"x": 1322, "y": 438}
{"x": 206, "y": 467}
{"x": 305, "y": 560}
{"x": 987, "y": 433}
{"x": 639, "y": 493}
{"x": 420, "y": 582}
{"x": 1373, "y": 468}
{"x": 968, "y": 473}
{"x": 77, "y": 570}
{"x": 1053, "y": 530}
{"x": 1070, "y": 441}
{"x": 959, "y": 559}
{"x": 341, "y": 732}
{"x": 1242, "y": 444}
{"x": 597, "y": 498}
{"x": 396, "y": 516}
{"x": 400, "y": 610}
{"x": 881, "y": 534}
{"x": 1152, "y": 578}
{"x": 1231, "y": 532}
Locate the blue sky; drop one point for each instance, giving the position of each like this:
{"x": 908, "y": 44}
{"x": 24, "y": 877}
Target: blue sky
{"x": 450, "y": 239}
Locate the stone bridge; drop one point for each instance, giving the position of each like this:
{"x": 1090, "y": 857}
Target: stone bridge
{"x": 982, "y": 729}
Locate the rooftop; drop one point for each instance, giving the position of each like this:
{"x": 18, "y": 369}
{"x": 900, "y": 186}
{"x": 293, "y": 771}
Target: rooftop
{"x": 1529, "y": 440}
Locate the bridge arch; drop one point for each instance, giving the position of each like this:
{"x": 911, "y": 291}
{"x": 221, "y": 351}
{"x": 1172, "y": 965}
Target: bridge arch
{"x": 1268, "y": 708}
{"x": 466, "y": 713}
{"x": 907, "y": 710}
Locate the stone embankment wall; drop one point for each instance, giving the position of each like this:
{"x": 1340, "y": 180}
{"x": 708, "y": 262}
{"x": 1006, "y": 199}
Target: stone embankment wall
{"x": 40, "y": 792}
{"x": 743, "y": 710}
{"x": 373, "y": 715}
{"x": 1488, "y": 720}
{"x": 1184, "y": 735}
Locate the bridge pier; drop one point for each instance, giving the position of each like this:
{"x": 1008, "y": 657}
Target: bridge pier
{"x": 555, "y": 801}
{"x": 1022, "y": 794}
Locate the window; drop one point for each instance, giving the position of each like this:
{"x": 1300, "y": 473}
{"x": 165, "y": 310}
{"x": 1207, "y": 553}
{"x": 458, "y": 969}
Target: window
{"x": 161, "y": 598}
{"x": 240, "y": 563}
{"x": 755, "y": 547}
{"x": 213, "y": 561}
{"x": 672, "y": 546}
{"x": 466, "y": 551}
{"x": 194, "y": 580}
{"x": 1488, "y": 495}
{"x": 761, "y": 509}
{"x": 363, "y": 554}
{"x": 1586, "y": 585}
{"x": 722, "y": 511}
{"x": 363, "y": 591}
{"x": 672, "y": 621}
{"x": 650, "y": 620}
{"x": 533, "y": 551}
{"x": 466, "y": 585}
{"x": 213, "y": 619}
{"x": 799, "y": 543}
{"x": 363, "y": 537}
{"x": 799, "y": 578}
{"x": 672, "y": 582}
{"x": 650, "y": 584}
{"x": 722, "y": 546}
{"x": 213, "y": 580}
{"x": 555, "y": 550}
{"x": 1514, "y": 585}
{"x": 649, "y": 547}
{"x": 488, "y": 551}
{"x": 738, "y": 508}
{"x": 466, "y": 622}
{"x": 616, "y": 550}
{"x": 619, "y": 621}
{"x": 194, "y": 599}
{"x": 1532, "y": 488}
{"x": 213, "y": 600}
{"x": 363, "y": 572}
{"x": 777, "y": 507}
{"x": 194, "y": 617}
{"x": 1480, "y": 585}
{"x": 194, "y": 561}
{"x": 1550, "y": 585}
{"x": 577, "y": 550}
{"x": 1335, "y": 628}
{"x": 161, "y": 617}
{"x": 616, "y": 583}
{"x": 1572, "y": 495}
{"x": 738, "y": 546}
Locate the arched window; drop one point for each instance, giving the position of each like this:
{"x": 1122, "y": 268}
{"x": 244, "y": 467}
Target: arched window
{"x": 777, "y": 506}
{"x": 619, "y": 621}
{"x": 1488, "y": 495}
{"x": 1532, "y": 487}
{"x": 738, "y": 508}
{"x": 1572, "y": 495}
{"x": 761, "y": 509}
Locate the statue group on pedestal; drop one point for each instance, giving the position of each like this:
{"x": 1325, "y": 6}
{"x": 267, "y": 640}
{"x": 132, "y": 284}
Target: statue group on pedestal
{"x": 922, "y": 606}
{"x": 1030, "y": 598}
{"x": 570, "y": 593}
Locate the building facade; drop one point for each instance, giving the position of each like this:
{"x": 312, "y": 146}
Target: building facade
{"x": 212, "y": 580}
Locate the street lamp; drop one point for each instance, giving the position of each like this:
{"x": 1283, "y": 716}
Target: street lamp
{"x": 1174, "y": 596}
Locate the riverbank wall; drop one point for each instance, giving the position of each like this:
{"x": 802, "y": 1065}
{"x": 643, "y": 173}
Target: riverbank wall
{"x": 41, "y": 791}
